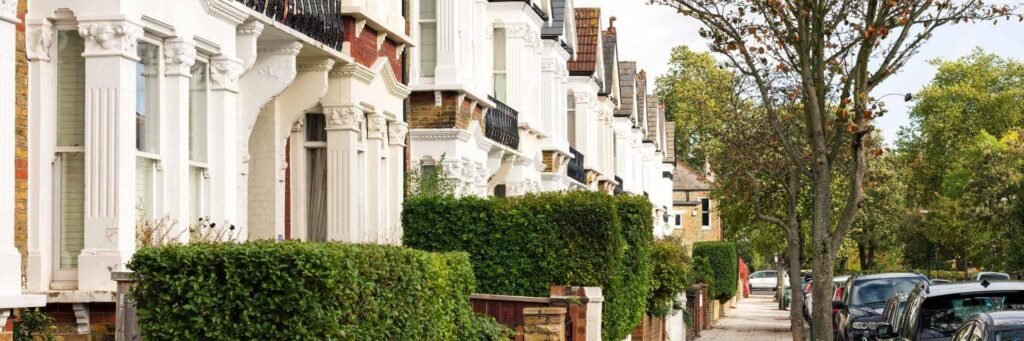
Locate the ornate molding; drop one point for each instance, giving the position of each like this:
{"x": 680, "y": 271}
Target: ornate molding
{"x": 251, "y": 28}
{"x": 274, "y": 71}
{"x": 344, "y": 118}
{"x": 225, "y": 73}
{"x": 39, "y": 41}
{"x": 180, "y": 57}
{"x": 225, "y": 10}
{"x": 289, "y": 48}
{"x": 376, "y": 126}
{"x": 397, "y": 132}
{"x": 110, "y": 38}
{"x": 299, "y": 125}
{"x": 315, "y": 64}
{"x": 355, "y": 70}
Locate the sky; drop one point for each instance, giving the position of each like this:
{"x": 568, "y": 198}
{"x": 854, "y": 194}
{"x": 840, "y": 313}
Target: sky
{"x": 647, "y": 34}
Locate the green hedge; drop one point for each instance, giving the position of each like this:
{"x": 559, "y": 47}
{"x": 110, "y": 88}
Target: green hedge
{"x": 523, "y": 245}
{"x": 305, "y": 291}
{"x": 672, "y": 276}
{"x": 724, "y": 265}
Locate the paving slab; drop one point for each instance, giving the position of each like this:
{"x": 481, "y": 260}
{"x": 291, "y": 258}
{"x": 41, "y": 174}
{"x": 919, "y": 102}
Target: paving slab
{"x": 755, "y": 318}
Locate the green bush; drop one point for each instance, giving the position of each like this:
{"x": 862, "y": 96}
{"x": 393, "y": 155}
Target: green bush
{"x": 724, "y": 266}
{"x": 672, "y": 276}
{"x": 303, "y": 291}
{"x": 524, "y": 245}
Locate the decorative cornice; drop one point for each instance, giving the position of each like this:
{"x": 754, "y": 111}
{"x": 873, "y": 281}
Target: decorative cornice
{"x": 39, "y": 40}
{"x": 344, "y": 118}
{"x": 251, "y": 28}
{"x": 180, "y": 57}
{"x": 354, "y": 70}
{"x": 395, "y": 87}
{"x": 299, "y": 125}
{"x": 110, "y": 38}
{"x": 9, "y": 11}
{"x": 315, "y": 64}
{"x": 440, "y": 135}
{"x": 225, "y": 10}
{"x": 287, "y": 48}
{"x": 225, "y": 72}
{"x": 397, "y": 132}
{"x": 376, "y": 126}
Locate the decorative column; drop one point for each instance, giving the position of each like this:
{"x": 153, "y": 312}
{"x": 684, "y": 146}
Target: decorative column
{"x": 344, "y": 186}
{"x": 376, "y": 227}
{"x": 42, "y": 128}
{"x": 297, "y": 164}
{"x": 110, "y": 86}
{"x": 223, "y": 131}
{"x": 180, "y": 56}
{"x": 10, "y": 258}
{"x": 448, "y": 37}
{"x": 397, "y": 132}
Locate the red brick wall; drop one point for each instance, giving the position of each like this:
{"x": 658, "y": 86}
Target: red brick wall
{"x": 364, "y": 48}
{"x": 102, "y": 320}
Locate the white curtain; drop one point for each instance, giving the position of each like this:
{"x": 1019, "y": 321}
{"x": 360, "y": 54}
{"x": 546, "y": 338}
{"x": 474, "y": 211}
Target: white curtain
{"x": 317, "y": 222}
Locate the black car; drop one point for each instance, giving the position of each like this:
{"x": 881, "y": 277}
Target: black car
{"x": 894, "y": 308}
{"x": 864, "y": 297}
{"x": 994, "y": 326}
{"x": 935, "y": 312}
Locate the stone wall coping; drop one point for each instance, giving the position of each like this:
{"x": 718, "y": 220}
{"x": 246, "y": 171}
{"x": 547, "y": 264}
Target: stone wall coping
{"x": 544, "y": 311}
{"x": 76, "y": 296}
{"x": 22, "y": 301}
{"x": 525, "y": 299}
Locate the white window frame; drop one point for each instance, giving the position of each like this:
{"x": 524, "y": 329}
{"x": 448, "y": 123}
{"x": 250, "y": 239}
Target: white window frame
{"x": 504, "y": 70}
{"x": 62, "y": 278}
{"x": 203, "y": 166}
{"x": 703, "y": 212}
{"x": 307, "y": 147}
{"x": 427, "y": 22}
{"x": 153, "y": 209}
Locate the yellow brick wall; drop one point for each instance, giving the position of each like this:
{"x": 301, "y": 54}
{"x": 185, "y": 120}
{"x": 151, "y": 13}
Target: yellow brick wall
{"x": 21, "y": 142}
{"x": 424, "y": 113}
{"x": 692, "y": 231}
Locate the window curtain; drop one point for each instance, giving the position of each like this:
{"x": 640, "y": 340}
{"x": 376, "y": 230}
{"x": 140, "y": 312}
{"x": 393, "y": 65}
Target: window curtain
{"x": 317, "y": 222}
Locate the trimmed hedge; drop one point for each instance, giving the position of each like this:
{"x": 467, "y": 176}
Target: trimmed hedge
{"x": 305, "y": 291}
{"x": 724, "y": 265}
{"x": 524, "y": 245}
{"x": 672, "y": 276}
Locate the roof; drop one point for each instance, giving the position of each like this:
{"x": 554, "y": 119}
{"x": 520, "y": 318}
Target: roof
{"x": 686, "y": 178}
{"x": 611, "y": 58}
{"x": 973, "y": 287}
{"x": 588, "y": 31}
{"x": 888, "y": 275}
{"x": 627, "y": 90}
{"x": 556, "y": 26}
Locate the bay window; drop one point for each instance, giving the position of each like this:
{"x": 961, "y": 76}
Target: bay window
{"x": 147, "y": 127}
{"x": 428, "y": 37}
{"x": 69, "y": 163}
{"x": 316, "y": 177}
{"x": 500, "y": 66}
{"x": 197, "y": 140}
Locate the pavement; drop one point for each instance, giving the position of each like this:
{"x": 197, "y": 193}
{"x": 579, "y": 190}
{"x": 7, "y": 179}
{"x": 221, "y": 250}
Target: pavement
{"x": 755, "y": 318}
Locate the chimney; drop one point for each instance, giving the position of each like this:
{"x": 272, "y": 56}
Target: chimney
{"x": 611, "y": 24}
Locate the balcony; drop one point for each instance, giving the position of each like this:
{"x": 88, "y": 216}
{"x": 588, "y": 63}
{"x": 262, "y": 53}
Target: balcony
{"x": 575, "y": 169}
{"x": 318, "y": 19}
{"x": 502, "y": 124}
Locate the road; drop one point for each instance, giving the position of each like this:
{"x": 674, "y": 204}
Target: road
{"x": 755, "y": 318}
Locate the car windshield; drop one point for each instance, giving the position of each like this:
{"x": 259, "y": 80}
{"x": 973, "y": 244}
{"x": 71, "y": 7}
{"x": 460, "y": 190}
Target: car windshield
{"x": 769, "y": 274}
{"x": 942, "y": 315}
{"x": 1015, "y": 333}
{"x": 994, "y": 276}
{"x": 878, "y": 291}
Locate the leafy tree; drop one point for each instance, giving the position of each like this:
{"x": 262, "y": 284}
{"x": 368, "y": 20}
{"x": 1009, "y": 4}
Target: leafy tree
{"x": 884, "y": 211}
{"x": 826, "y": 58}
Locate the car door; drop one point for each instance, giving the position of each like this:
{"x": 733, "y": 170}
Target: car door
{"x": 964, "y": 333}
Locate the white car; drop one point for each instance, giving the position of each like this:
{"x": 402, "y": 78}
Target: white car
{"x": 767, "y": 280}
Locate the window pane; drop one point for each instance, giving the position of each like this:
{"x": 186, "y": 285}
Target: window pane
{"x": 147, "y": 92}
{"x": 499, "y": 50}
{"x": 501, "y": 87}
{"x": 705, "y": 204}
{"x": 197, "y": 113}
{"x": 428, "y": 49}
{"x": 705, "y": 219}
{"x": 428, "y": 9}
{"x": 316, "y": 128}
{"x": 144, "y": 186}
{"x": 72, "y": 208}
{"x": 571, "y": 120}
{"x": 70, "y": 89}
{"x": 195, "y": 193}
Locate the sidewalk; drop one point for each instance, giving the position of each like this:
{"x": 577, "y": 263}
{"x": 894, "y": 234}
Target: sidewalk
{"x": 755, "y": 318}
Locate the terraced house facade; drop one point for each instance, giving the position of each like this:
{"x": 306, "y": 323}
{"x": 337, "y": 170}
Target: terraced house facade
{"x": 292, "y": 120}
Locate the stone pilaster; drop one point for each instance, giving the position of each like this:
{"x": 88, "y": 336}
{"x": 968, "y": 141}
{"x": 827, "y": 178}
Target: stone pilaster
{"x": 110, "y": 86}
{"x": 544, "y": 324}
{"x": 377, "y": 225}
{"x": 397, "y": 132}
{"x": 180, "y": 56}
{"x": 345, "y": 186}
{"x": 42, "y": 89}
{"x": 10, "y": 258}
{"x": 224, "y": 127}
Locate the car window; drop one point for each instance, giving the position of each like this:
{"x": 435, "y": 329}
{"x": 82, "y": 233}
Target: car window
{"x": 942, "y": 315}
{"x": 1013, "y": 334}
{"x": 878, "y": 291}
{"x": 993, "y": 276}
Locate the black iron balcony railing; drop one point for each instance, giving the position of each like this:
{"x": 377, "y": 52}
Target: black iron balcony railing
{"x": 318, "y": 19}
{"x": 502, "y": 124}
{"x": 575, "y": 169}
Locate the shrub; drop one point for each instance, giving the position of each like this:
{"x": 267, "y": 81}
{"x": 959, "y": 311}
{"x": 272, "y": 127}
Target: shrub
{"x": 524, "y": 245}
{"x": 672, "y": 276}
{"x": 723, "y": 264}
{"x": 302, "y": 291}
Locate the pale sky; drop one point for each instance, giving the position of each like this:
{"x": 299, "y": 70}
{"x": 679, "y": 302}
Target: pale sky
{"x": 647, "y": 34}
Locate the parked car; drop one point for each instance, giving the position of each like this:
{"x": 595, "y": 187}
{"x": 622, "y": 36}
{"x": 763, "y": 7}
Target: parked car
{"x": 809, "y": 298}
{"x": 894, "y": 308}
{"x": 935, "y": 281}
{"x": 935, "y": 312}
{"x": 992, "y": 276}
{"x": 767, "y": 279}
{"x": 994, "y": 326}
{"x": 864, "y": 297}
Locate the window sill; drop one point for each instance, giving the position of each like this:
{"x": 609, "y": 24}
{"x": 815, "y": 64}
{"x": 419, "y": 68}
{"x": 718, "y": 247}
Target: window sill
{"x": 76, "y": 296}
{"x": 22, "y": 301}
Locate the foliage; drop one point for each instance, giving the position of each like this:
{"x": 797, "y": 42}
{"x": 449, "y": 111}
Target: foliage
{"x": 303, "y": 291}
{"x": 486, "y": 328}
{"x": 672, "y": 275}
{"x": 884, "y": 212}
{"x": 724, "y": 267}
{"x": 430, "y": 180}
{"x": 32, "y": 325}
{"x": 699, "y": 96}
{"x": 523, "y": 245}
{"x": 164, "y": 232}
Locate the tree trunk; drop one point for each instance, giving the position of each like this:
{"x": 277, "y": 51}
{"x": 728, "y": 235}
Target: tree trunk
{"x": 871, "y": 257}
{"x": 822, "y": 253}
{"x": 862, "y": 253}
{"x": 796, "y": 295}
{"x": 821, "y": 313}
